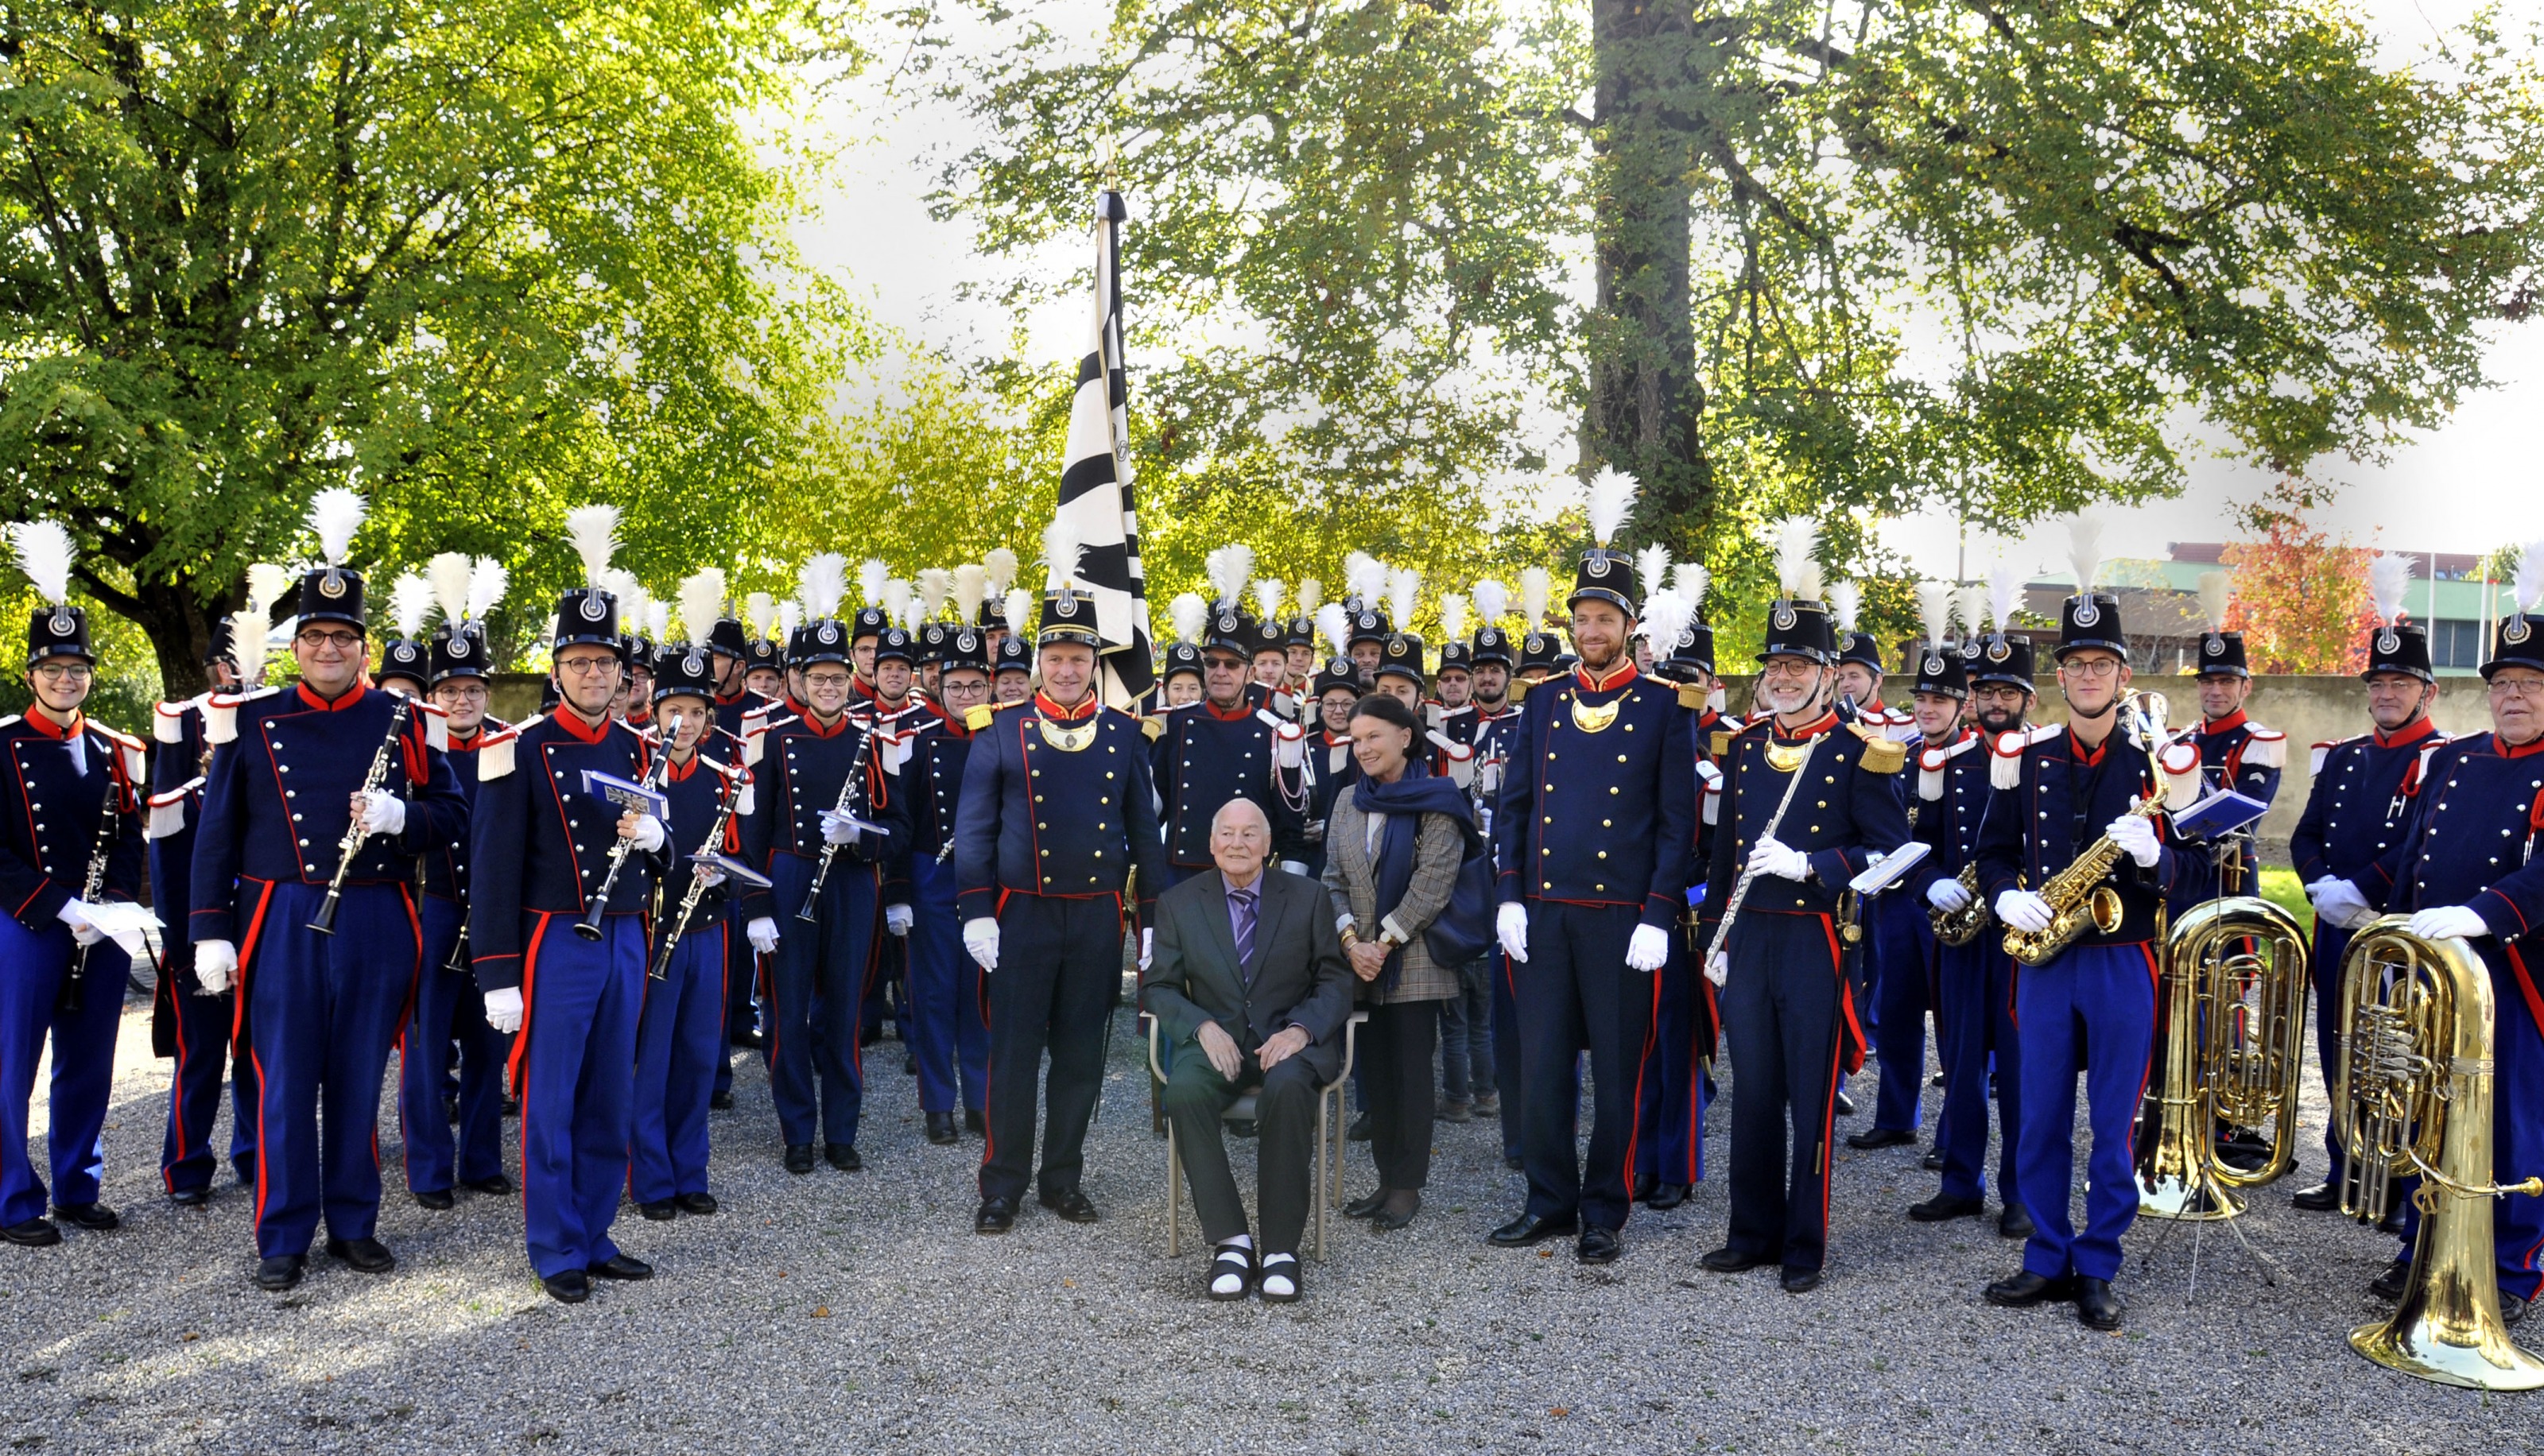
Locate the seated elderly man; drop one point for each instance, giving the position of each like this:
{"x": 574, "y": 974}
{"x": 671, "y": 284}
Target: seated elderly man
{"x": 1248, "y": 979}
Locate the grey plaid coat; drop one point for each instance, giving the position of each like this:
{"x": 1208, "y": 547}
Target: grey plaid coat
{"x": 1352, "y": 879}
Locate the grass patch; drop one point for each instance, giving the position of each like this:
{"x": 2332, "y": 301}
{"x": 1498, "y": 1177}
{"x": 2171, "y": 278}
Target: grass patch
{"x": 2280, "y": 888}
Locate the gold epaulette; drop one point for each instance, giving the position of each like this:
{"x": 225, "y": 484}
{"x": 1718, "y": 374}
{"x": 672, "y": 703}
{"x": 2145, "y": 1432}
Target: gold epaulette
{"x": 1519, "y": 687}
{"x": 1152, "y": 728}
{"x": 1691, "y": 696}
{"x": 1721, "y": 739}
{"x": 1880, "y": 755}
{"x": 979, "y": 718}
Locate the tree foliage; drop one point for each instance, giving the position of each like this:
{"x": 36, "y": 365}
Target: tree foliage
{"x": 2301, "y": 598}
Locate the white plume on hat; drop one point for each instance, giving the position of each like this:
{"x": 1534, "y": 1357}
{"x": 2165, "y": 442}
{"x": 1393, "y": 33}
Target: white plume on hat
{"x": 658, "y": 621}
{"x": 871, "y": 575}
{"x": 934, "y": 584}
{"x": 701, "y": 604}
{"x": 790, "y": 615}
{"x": 998, "y": 570}
{"x": 593, "y": 532}
{"x": 1018, "y": 610}
{"x": 1493, "y": 601}
{"x": 488, "y": 580}
{"x": 1535, "y": 588}
{"x": 2217, "y": 591}
{"x": 822, "y": 581}
{"x": 1651, "y": 567}
{"x": 1452, "y": 618}
{"x": 2005, "y": 595}
{"x": 1335, "y": 626}
{"x": 410, "y": 598}
{"x": 1230, "y": 567}
{"x": 635, "y": 603}
{"x": 1364, "y": 577}
{"x": 1846, "y": 604}
{"x": 1797, "y": 569}
{"x": 971, "y": 588}
{"x": 1611, "y": 500}
{"x": 2389, "y": 580}
{"x": 1404, "y": 585}
{"x": 1060, "y": 552}
{"x": 1312, "y": 595}
{"x": 897, "y": 597}
{"x": 1267, "y": 599}
{"x": 1190, "y": 616}
{"x": 757, "y": 613}
{"x": 1665, "y": 615}
{"x": 1934, "y": 611}
{"x": 2528, "y": 583}
{"x": 335, "y": 514}
{"x": 1970, "y": 605}
{"x": 448, "y": 574}
{"x": 2085, "y": 548}
{"x": 266, "y": 585}
{"x": 1691, "y": 580}
{"x": 44, "y": 555}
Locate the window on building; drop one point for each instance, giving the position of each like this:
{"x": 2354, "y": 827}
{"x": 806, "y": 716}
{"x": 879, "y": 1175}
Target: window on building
{"x": 2455, "y": 642}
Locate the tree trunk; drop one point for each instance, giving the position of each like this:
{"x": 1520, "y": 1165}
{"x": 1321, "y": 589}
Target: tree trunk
{"x": 1645, "y": 402}
{"x": 179, "y": 624}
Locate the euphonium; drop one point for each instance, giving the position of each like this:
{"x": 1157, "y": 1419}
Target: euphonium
{"x": 2077, "y": 894}
{"x": 2233, "y": 1050}
{"x": 2415, "y": 1097}
{"x": 1962, "y": 926}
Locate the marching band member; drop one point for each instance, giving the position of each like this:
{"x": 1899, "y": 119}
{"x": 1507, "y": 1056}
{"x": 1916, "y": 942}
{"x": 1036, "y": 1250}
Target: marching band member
{"x": 2235, "y": 752}
{"x": 1488, "y": 728}
{"x": 1011, "y": 658}
{"x": 892, "y": 715}
{"x": 950, "y": 1040}
{"x": 70, "y": 840}
{"x": 1229, "y": 745}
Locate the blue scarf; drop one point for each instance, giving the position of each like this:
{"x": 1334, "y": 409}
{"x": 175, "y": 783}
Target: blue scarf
{"x": 1404, "y": 803}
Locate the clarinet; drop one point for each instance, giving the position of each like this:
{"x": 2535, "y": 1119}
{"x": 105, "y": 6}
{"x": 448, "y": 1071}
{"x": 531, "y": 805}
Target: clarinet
{"x": 324, "y": 922}
{"x": 589, "y": 926}
{"x": 697, "y": 882}
{"x": 72, "y": 1000}
{"x": 850, "y": 801}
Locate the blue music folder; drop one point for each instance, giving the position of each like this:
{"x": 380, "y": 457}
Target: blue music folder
{"x": 626, "y": 794}
{"x": 734, "y": 870}
{"x": 2220, "y": 814}
{"x": 1886, "y": 870}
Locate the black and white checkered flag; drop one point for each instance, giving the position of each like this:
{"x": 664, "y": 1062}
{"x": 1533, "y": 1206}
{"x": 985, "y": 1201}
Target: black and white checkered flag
{"x": 1095, "y": 500}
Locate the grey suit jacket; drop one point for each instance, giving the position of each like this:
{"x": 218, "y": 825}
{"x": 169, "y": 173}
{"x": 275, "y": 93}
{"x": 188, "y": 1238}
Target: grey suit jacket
{"x": 1297, "y": 974}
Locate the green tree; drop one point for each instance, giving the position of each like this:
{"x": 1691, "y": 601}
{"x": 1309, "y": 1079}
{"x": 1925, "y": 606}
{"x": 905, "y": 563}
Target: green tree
{"x": 482, "y": 263}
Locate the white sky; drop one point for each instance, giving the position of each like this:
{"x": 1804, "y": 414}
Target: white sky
{"x": 2468, "y": 487}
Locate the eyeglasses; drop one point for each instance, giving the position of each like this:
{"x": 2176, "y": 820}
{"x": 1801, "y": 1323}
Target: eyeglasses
{"x": 64, "y": 671}
{"x": 343, "y": 641}
{"x": 2091, "y": 667}
{"x": 826, "y": 679}
{"x": 2517, "y": 687}
{"x": 585, "y": 666}
{"x": 1789, "y": 667}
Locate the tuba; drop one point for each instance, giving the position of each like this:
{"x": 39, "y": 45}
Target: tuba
{"x": 2234, "y": 1045}
{"x": 2413, "y": 1098}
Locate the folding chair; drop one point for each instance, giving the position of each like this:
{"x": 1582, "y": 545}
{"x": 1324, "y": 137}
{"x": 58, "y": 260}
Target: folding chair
{"x": 1326, "y": 1176}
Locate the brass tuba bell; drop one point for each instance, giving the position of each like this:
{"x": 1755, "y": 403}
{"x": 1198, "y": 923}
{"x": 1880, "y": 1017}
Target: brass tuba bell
{"x": 2233, "y": 1051}
{"x": 2415, "y": 1097}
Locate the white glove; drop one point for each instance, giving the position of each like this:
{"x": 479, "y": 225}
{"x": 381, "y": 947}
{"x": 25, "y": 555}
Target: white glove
{"x": 74, "y": 913}
{"x": 1647, "y": 949}
{"x": 1717, "y": 967}
{"x": 1510, "y": 924}
{"x": 1772, "y": 858}
{"x": 649, "y": 833}
{"x": 896, "y": 919}
{"x": 710, "y": 876}
{"x": 383, "y": 812}
{"x": 2444, "y": 922}
{"x": 504, "y": 1010}
{"x": 2021, "y": 909}
{"x": 1947, "y": 896}
{"x": 980, "y": 938}
{"x": 2135, "y": 835}
{"x": 762, "y": 932}
{"x": 215, "y": 966}
{"x": 2338, "y": 901}
{"x": 837, "y": 827}
{"x": 1148, "y": 944}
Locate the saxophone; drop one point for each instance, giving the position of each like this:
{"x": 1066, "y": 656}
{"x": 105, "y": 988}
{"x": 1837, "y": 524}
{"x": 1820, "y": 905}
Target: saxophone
{"x": 2077, "y": 894}
{"x": 1962, "y": 926}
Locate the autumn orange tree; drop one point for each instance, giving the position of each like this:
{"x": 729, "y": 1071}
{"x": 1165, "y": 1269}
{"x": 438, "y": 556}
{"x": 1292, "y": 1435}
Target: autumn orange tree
{"x": 2300, "y": 597}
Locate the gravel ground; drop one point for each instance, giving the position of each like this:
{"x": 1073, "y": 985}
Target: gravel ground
{"x": 859, "y": 1311}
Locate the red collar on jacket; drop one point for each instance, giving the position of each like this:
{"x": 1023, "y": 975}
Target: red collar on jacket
{"x": 2531, "y": 746}
{"x": 40, "y": 724}
{"x": 1826, "y": 722}
{"x": 838, "y": 724}
{"x": 2077, "y": 752}
{"x": 1242, "y": 711}
{"x": 352, "y": 695}
{"x": 678, "y": 772}
{"x": 727, "y": 700}
{"x": 1965, "y": 733}
{"x": 1619, "y": 676}
{"x": 2226, "y": 724}
{"x": 2409, "y": 734}
{"x": 571, "y": 721}
{"x": 1086, "y": 708}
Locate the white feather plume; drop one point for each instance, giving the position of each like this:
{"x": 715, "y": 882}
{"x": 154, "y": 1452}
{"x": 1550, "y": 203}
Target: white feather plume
{"x": 1692, "y": 580}
{"x": 790, "y": 615}
{"x": 1652, "y": 568}
{"x": 488, "y": 580}
{"x": 335, "y": 514}
{"x": 971, "y": 588}
{"x": 658, "y": 622}
{"x": 410, "y": 598}
{"x": 266, "y": 585}
{"x": 2005, "y": 595}
{"x": 1269, "y": 592}
{"x": 1796, "y": 570}
{"x": 1452, "y": 618}
{"x": 1934, "y": 611}
{"x": 448, "y": 574}
{"x": 758, "y": 611}
{"x": 1230, "y": 567}
{"x": 1060, "y": 552}
{"x": 248, "y": 630}
{"x": 1365, "y": 577}
{"x": 1333, "y": 624}
{"x": 1190, "y": 616}
{"x": 1970, "y": 605}
{"x": 934, "y": 584}
{"x": 1312, "y": 595}
{"x": 823, "y": 581}
{"x": 998, "y": 570}
{"x": 1665, "y": 615}
{"x": 1404, "y": 585}
{"x": 1846, "y": 604}
{"x": 2217, "y": 591}
{"x": 1492, "y": 602}
{"x": 2085, "y": 548}
{"x": 44, "y": 555}
{"x": 2389, "y": 582}
{"x": 1611, "y": 500}
{"x": 871, "y": 575}
{"x": 2528, "y": 583}
{"x": 1018, "y": 611}
{"x": 1535, "y": 587}
{"x": 634, "y": 602}
{"x": 593, "y": 530}
{"x": 897, "y": 597}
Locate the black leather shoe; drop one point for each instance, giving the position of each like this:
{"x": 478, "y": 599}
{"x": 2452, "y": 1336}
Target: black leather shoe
{"x": 996, "y": 1216}
{"x": 496, "y": 1184}
{"x": 2025, "y": 1289}
{"x": 1363, "y": 1207}
{"x": 1644, "y": 1187}
{"x": 281, "y": 1273}
{"x": 35, "y": 1233}
{"x": 243, "y": 1167}
{"x": 1800, "y": 1280}
{"x": 2391, "y": 1283}
{"x": 940, "y": 1129}
{"x": 1941, "y": 1207}
{"x": 366, "y": 1256}
{"x": 1073, "y": 1205}
{"x": 97, "y": 1219}
{"x": 2098, "y": 1305}
{"x": 1729, "y": 1261}
{"x": 437, "y": 1198}
{"x": 1598, "y": 1246}
{"x": 800, "y": 1157}
{"x": 2321, "y": 1199}
{"x": 720, "y": 1102}
{"x": 1844, "y": 1105}
{"x": 2015, "y": 1222}
{"x": 973, "y": 1121}
{"x": 573, "y": 1286}
{"x": 1933, "y": 1162}
{"x": 1882, "y": 1137}
{"x": 1524, "y": 1230}
{"x": 621, "y": 1266}
{"x": 701, "y": 1203}
{"x": 1666, "y": 1196}
{"x": 843, "y": 1157}
{"x": 190, "y": 1197}
{"x": 2511, "y": 1308}
{"x": 1388, "y": 1220}
{"x": 2391, "y": 1225}
{"x": 659, "y": 1211}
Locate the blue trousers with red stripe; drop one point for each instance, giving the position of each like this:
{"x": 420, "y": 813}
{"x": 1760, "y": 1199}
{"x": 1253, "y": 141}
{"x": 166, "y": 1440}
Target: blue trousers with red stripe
{"x": 1575, "y": 988}
{"x": 33, "y": 965}
{"x": 448, "y": 1010}
{"x": 1974, "y": 1023}
{"x": 199, "y": 1029}
{"x": 2091, "y": 1009}
{"x": 2330, "y": 944}
{"x": 1903, "y": 942}
{"x": 322, "y": 1011}
{"x": 741, "y": 985}
{"x": 819, "y": 978}
{"x": 2516, "y": 1122}
{"x": 1060, "y": 966}
{"x": 948, "y": 1035}
{"x": 1669, "y": 1120}
{"x": 577, "y": 1073}
{"x": 1785, "y": 1015}
{"x": 680, "y": 1039}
